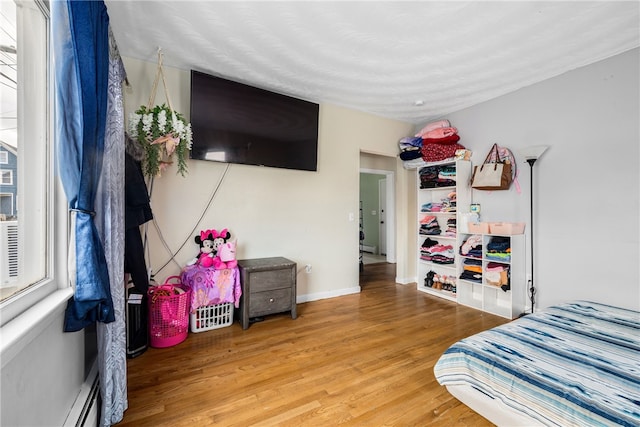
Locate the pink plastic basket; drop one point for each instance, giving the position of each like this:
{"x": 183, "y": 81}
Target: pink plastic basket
{"x": 169, "y": 306}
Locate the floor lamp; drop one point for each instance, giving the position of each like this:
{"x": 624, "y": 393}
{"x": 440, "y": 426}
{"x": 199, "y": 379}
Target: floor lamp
{"x": 531, "y": 155}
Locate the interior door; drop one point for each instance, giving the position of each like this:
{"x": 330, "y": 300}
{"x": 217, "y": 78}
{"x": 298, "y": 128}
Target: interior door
{"x": 382, "y": 211}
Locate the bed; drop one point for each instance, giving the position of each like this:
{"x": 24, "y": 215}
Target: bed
{"x": 573, "y": 364}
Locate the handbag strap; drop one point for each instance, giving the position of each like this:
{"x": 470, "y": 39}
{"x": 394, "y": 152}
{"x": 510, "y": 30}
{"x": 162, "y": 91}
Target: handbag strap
{"x": 494, "y": 148}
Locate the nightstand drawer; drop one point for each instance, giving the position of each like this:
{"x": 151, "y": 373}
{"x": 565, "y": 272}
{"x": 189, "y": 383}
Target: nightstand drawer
{"x": 274, "y": 301}
{"x": 272, "y": 279}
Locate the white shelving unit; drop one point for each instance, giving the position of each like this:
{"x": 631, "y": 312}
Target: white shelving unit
{"x": 435, "y": 195}
{"x": 488, "y": 297}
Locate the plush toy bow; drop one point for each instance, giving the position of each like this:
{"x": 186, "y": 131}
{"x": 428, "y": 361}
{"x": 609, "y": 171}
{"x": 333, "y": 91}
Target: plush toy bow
{"x": 222, "y": 233}
{"x": 205, "y": 233}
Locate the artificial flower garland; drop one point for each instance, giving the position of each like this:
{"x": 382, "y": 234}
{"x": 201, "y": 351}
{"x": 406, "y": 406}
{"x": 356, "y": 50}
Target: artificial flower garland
{"x": 162, "y": 132}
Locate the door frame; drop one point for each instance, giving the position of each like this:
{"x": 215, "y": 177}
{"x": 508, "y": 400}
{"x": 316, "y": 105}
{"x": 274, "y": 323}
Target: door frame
{"x": 382, "y": 216}
{"x": 391, "y": 210}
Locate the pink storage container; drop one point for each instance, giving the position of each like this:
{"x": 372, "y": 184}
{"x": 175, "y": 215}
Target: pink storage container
{"x": 506, "y": 228}
{"x": 168, "y": 313}
{"x": 478, "y": 227}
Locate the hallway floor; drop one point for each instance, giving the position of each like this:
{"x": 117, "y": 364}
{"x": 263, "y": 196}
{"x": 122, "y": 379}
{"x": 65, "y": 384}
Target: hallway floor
{"x": 368, "y": 258}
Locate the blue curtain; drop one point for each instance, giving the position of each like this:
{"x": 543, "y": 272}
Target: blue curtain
{"x": 81, "y": 52}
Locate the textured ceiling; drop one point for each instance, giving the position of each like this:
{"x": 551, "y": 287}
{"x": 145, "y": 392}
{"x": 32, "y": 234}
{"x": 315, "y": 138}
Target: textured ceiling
{"x": 379, "y": 57}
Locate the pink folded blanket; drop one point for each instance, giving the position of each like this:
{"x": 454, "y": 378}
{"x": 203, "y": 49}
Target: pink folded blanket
{"x": 434, "y": 125}
{"x": 440, "y": 133}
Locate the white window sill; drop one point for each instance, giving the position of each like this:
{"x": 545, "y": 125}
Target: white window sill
{"x": 19, "y": 332}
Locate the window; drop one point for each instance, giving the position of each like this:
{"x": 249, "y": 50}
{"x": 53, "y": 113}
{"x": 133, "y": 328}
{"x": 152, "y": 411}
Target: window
{"x": 4, "y": 157}
{"x": 28, "y": 260}
{"x": 6, "y": 207}
{"x": 6, "y": 177}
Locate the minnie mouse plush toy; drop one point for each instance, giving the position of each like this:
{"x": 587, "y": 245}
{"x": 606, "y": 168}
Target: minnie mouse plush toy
{"x": 209, "y": 242}
{"x": 207, "y": 251}
{"x": 219, "y": 239}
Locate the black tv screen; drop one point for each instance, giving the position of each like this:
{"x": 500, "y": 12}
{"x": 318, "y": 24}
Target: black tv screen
{"x": 236, "y": 123}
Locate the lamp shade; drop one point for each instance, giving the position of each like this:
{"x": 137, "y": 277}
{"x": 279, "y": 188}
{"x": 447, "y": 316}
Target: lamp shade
{"x": 533, "y": 152}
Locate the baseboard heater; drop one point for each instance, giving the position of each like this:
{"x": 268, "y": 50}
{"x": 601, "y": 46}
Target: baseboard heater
{"x": 369, "y": 249}
{"x": 86, "y": 408}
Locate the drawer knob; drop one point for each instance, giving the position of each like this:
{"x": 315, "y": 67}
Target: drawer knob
{"x": 270, "y": 299}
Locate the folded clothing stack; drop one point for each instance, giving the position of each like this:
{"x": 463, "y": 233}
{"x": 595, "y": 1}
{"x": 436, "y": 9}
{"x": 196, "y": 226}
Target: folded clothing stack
{"x": 472, "y": 246}
{"x": 472, "y": 270}
{"x": 446, "y": 204}
{"x": 439, "y": 141}
{"x": 497, "y": 274}
{"x": 435, "y": 142}
{"x": 437, "y": 176}
{"x": 429, "y": 225}
{"x": 499, "y": 249}
{"x": 410, "y": 148}
{"x": 435, "y": 252}
{"x": 438, "y": 254}
{"x": 452, "y": 228}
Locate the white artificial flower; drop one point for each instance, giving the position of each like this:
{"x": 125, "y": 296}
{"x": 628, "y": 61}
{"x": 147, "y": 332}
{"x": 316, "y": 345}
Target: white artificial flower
{"x": 162, "y": 121}
{"x": 134, "y": 119}
{"x": 189, "y": 136}
{"x": 147, "y": 120}
{"x": 179, "y": 127}
{"x": 174, "y": 120}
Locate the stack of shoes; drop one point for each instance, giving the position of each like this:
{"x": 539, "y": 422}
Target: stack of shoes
{"x": 440, "y": 282}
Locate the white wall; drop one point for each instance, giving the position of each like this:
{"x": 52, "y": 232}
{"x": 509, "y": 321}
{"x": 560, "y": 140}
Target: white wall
{"x": 301, "y": 215}
{"x": 586, "y": 185}
{"x": 40, "y": 385}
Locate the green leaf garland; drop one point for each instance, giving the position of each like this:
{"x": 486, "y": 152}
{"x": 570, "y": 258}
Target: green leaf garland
{"x": 162, "y": 133}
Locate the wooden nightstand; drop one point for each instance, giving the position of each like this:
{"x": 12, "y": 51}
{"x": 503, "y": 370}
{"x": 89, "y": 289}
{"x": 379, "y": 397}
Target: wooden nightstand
{"x": 268, "y": 287}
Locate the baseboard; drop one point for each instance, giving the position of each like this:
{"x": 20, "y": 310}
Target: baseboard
{"x": 369, "y": 249}
{"x": 85, "y": 410}
{"x": 324, "y": 295}
{"x": 405, "y": 280}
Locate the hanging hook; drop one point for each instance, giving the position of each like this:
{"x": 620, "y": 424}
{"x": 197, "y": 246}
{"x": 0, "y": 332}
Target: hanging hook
{"x": 160, "y": 55}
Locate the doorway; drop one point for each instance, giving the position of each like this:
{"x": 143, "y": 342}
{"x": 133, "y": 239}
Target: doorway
{"x": 377, "y": 193}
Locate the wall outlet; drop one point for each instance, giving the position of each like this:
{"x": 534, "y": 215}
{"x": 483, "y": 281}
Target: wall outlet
{"x": 307, "y": 268}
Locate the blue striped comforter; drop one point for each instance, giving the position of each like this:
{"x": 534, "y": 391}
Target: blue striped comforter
{"x": 572, "y": 364}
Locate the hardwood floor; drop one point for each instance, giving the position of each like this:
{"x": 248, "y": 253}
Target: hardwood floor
{"x": 357, "y": 360}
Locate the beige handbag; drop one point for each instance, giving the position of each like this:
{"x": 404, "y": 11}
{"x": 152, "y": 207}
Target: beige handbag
{"x": 492, "y": 176}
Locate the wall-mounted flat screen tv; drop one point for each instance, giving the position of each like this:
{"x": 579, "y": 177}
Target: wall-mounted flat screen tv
{"x": 237, "y": 123}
